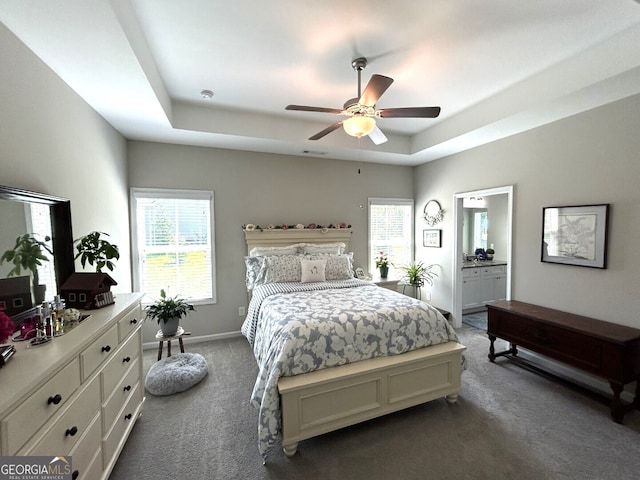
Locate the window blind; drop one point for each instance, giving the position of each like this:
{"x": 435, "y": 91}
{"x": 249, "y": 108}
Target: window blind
{"x": 174, "y": 243}
{"x": 391, "y": 232}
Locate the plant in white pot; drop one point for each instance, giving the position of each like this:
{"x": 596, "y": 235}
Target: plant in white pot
{"x": 28, "y": 254}
{"x": 168, "y": 311}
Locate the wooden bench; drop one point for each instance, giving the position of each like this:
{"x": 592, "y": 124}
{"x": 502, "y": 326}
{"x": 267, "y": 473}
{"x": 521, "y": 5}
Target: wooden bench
{"x": 607, "y": 350}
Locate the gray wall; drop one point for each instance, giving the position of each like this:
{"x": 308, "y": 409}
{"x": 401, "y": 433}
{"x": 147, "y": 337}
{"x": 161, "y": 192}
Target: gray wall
{"x": 51, "y": 141}
{"x": 585, "y": 159}
{"x": 261, "y": 189}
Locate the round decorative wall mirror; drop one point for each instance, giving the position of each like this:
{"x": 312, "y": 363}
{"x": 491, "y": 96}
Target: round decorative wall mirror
{"x": 433, "y": 213}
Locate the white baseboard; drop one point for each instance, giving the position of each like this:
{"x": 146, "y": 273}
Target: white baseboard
{"x": 574, "y": 375}
{"x": 190, "y": 340}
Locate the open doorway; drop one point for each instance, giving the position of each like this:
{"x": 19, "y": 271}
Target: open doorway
{"x": 465, "y": 238}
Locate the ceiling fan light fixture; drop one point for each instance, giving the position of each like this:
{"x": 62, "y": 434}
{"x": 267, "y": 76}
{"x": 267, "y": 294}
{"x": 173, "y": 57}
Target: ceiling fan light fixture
{"x": 359, "y": 126}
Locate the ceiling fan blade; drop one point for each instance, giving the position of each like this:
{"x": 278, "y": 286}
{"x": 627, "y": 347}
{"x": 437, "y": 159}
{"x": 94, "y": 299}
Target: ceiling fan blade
{"x": 374, "y": 89}
{"x": 326, "y": 131}
{"x": 377, "y": 136}
{"x": 410, "y": 112}
{"x": 304, "y": 108}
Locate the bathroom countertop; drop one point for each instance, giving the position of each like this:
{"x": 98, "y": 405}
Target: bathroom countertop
{"x": 486, "y": 263}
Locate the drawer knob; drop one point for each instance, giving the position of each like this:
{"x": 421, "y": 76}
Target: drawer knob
{"x": 75, "y": 475}
{"x": 55, "y": 399}
{"x": 71, "y": 431}
{"x": 126, "y": 359}
{"x": 128, "y": 416}
{"x": 127, "y": 388}
{"x": 133, "y": 321}
{"x": 106, "y": 349}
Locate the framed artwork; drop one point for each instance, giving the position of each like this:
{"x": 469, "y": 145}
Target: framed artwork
{"x": 575, "y": 235}
{"x": 432, "y": 238}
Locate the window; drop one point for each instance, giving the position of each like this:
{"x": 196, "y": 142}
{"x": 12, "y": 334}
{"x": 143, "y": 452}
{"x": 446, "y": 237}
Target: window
{"x": 390, "y": 231}
{"x": 39, "y": 217}
{"x": 480, "y": 227}
{"x": 173, "y": 243}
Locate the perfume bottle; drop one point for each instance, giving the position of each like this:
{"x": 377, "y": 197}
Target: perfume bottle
{"x": 47, "y": 320}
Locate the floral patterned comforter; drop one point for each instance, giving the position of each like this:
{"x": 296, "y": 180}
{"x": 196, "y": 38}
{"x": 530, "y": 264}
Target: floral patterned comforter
{"x": 298, "y": 328}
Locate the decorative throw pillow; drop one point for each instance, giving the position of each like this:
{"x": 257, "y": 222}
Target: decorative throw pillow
{"x": 255, "y": 273}
{"x": 282, "y": 268}
{"x": 313, "y": 270}
{"x": 339, "y": 266}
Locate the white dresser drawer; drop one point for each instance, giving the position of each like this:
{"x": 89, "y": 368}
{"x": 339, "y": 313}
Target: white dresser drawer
{"x": 119, "y": 364}
{"x": 124, "y": 421}
{"x": 130, "y": 321}
{"x": 87, "y": 448}
{"x": 62, "y": 436}
{"x": 93, "y": 471}
{"x": 120, "y": 395}
{"x": 98, "y": 352}
{"x": 21, "y": 424}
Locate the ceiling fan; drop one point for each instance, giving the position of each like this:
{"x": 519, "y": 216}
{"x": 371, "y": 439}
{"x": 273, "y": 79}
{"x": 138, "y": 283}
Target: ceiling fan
{"x": 361, "y": 112}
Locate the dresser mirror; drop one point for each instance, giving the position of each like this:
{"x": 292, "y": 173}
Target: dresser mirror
{"x": 23, "y": 211}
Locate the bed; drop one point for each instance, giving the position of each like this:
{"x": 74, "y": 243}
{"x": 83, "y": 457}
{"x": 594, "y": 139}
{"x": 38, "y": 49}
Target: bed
{"x": 333, "y": 350}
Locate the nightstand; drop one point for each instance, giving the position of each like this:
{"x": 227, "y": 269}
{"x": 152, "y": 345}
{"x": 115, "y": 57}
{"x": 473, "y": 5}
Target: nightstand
{"x": 386, "y": 283}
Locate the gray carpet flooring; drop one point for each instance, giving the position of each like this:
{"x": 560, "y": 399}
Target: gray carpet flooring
{"x": 509, "y": 423}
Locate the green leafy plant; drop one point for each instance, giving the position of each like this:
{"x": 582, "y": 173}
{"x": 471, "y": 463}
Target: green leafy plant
{"x": 490, "y": 251}
{"x": 167, "y": 308}
{"x": 27, "y": 254}
{"x": 94, "y": 250}
{"x": 418, "y": 273}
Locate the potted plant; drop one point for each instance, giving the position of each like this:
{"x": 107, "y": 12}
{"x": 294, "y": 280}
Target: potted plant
{"x": 382, "y": 263}
{"x": 490, "y": 252}
{"x": 418, "y": 273}
{"x": 94, "y": 250}
{"x": 28, "y": 254}
{"x": 168, "y": 311}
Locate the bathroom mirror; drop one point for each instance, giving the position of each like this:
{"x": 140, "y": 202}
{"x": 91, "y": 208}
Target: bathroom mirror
{"x": 23, "y": 211}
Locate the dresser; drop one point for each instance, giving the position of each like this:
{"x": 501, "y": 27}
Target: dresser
{"x": 604, "y": 349}
{"x": 78, "y": 395}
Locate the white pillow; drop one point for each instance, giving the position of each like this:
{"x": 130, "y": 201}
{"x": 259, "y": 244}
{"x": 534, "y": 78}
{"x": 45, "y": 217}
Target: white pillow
{"x": 313, "y": 270}
{"x": 286, "y": 250}
{"x": 323, "y": 247}
{"x": 282, "y": 268}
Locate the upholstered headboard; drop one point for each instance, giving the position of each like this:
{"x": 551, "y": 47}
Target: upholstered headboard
{"x": 279, "y": 237}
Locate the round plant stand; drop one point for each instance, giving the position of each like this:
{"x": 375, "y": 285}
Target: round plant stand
{"x": 167, "y": 338}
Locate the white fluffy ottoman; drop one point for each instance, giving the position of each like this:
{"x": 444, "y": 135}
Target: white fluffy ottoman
{"x": 176, "y": 374}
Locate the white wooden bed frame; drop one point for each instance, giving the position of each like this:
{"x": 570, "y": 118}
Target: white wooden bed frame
{"x": 329, "y": 399}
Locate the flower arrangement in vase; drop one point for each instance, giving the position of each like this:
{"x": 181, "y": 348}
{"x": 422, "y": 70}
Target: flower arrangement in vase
{"x": 382, "y": 263}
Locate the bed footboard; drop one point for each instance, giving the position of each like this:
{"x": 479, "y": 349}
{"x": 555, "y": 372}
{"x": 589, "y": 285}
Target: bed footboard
{"x": 333, "y": 398}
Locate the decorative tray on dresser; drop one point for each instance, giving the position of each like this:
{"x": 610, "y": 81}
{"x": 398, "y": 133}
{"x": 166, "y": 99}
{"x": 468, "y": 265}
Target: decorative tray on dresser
{"x": 604, "y": 349}
{"x": 78, "y": 395}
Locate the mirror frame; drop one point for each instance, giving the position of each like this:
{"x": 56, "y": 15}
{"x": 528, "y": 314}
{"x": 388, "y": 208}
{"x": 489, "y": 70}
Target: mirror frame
{"x": 62, "y": 236}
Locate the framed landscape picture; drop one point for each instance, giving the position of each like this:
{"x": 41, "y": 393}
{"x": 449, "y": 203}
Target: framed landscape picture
{"x": 432, "y": 238}
{"x": 575, "y": 235}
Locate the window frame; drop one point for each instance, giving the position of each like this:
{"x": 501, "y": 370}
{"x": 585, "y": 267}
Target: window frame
{"x": 393, "y": 272}
{"x": 171, "y": 193}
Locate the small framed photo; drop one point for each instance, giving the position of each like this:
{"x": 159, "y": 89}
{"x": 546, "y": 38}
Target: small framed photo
{"x": 360, "y": 273}
{"x": 575, "y": 235}
{"x": 432, "y": 238}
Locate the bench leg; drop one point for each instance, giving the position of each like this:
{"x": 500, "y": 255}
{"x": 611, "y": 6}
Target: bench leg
{"x": 181, "y": 344}
{"x": 160, "y": 350}
{"x": 168, "y": 348}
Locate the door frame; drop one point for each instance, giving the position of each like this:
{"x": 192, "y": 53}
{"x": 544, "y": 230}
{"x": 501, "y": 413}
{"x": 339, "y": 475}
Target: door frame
{"x": 458, "y": 216}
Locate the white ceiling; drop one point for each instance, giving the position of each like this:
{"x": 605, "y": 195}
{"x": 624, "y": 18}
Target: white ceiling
{"x": 496, "y": 67}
